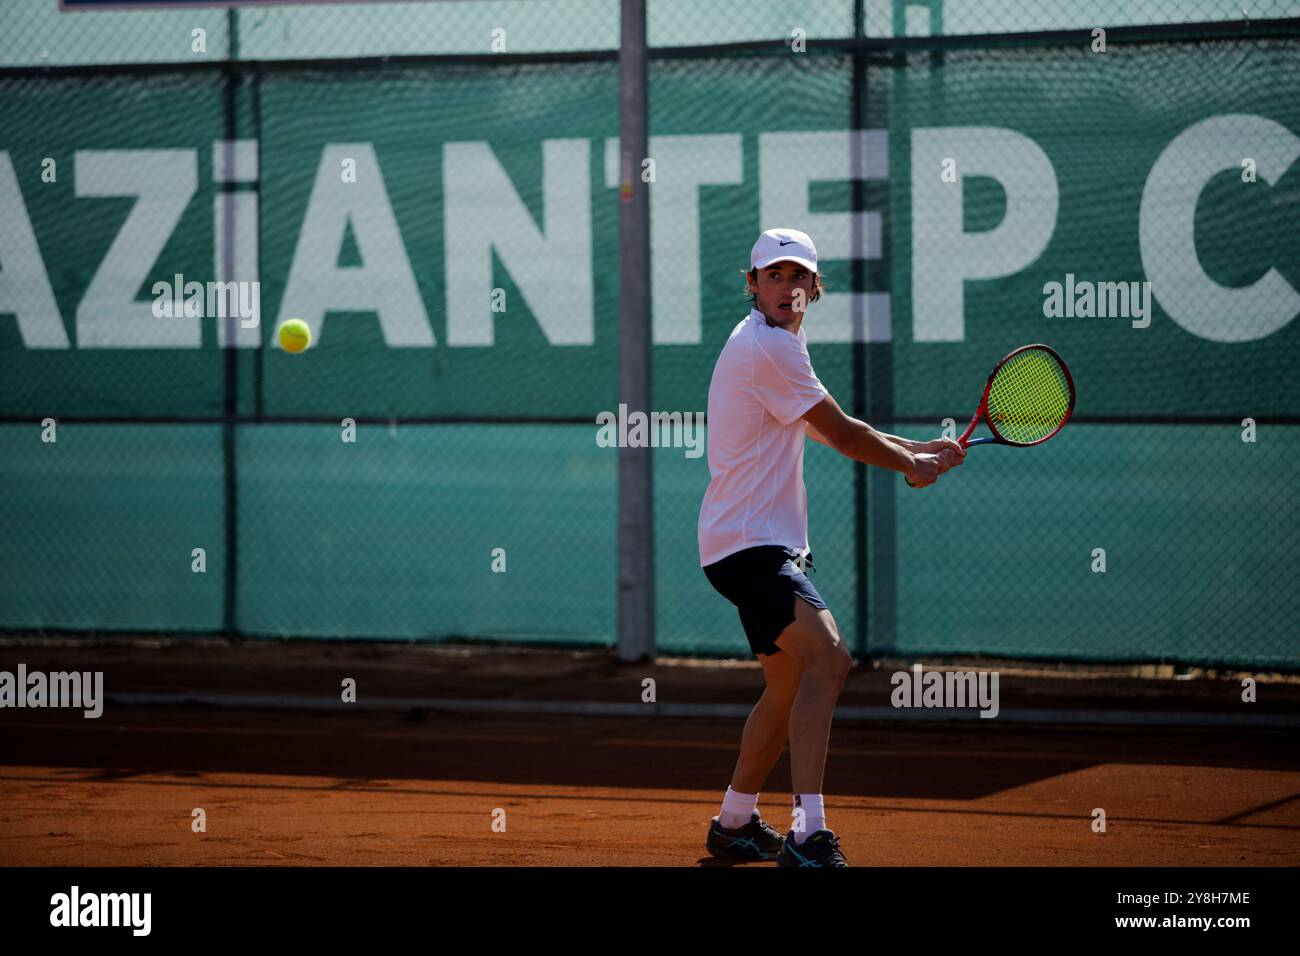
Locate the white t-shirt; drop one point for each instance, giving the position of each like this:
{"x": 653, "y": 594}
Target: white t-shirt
{"x": 762, "y": 385}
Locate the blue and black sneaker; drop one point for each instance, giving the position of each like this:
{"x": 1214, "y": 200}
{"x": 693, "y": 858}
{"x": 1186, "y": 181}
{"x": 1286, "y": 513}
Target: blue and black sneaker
{"x": 754, "y": 841}
{"x": 820, "y": 849}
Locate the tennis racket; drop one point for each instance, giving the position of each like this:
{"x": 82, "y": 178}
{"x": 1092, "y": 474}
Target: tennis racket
{"x": 1027, "y": 399}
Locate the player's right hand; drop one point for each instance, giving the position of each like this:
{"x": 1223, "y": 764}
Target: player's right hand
{"x": 926, "y": 469}
{"x": 949, "y": 459}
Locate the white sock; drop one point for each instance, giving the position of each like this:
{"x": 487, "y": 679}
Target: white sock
{"x": 814, "y": 815}
{"x": 737, "y": 809}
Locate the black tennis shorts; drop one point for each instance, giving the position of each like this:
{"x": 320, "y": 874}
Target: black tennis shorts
{"x": 762, "y": 582}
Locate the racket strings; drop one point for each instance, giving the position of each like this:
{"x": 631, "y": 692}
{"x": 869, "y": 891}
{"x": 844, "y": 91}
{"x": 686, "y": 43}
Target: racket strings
{"x": 1029, "y": 398}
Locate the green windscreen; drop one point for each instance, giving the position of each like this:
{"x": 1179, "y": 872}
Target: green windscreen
{"x": 429, "y": 468}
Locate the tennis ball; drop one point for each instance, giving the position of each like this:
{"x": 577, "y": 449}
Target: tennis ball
{"x": 295, "y": 335}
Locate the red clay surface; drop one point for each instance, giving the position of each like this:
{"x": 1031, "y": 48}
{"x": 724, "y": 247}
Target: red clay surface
{"x": 382, "y": 788}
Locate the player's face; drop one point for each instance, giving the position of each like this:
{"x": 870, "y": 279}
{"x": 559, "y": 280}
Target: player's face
{"x": 778, "y": 285}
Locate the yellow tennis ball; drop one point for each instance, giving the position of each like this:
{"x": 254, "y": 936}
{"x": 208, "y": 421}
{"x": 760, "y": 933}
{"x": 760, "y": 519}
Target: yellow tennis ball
{"x": 295, "y": 335}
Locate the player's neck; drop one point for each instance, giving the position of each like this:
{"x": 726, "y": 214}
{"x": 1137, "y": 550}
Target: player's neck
{"x": 791, "y": 327}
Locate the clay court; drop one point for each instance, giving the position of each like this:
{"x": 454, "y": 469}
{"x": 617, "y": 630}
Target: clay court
{"x": 407, "y": 776}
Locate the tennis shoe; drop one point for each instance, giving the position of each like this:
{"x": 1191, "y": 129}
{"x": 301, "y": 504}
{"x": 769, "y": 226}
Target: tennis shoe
{"x": 754, "y": 841}
{"x": 820, "y": 849}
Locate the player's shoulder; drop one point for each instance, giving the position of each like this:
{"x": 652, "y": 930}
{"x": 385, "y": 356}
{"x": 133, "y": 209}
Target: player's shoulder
{"x": 742, "y": 336}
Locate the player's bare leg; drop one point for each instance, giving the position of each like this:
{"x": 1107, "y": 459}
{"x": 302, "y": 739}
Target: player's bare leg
{"x": 768, "y": 726}
{"x": 814, "y": 639}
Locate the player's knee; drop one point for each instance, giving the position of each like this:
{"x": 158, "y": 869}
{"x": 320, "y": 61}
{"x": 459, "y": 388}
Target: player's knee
{"x": 841, "y": 662}
{"x": 832, "y": 662}
{"x": 814, "y": 638}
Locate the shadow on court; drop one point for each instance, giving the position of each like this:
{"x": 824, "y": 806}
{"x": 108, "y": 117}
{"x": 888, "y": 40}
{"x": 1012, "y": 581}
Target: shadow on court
{"x": 965, "y": 762}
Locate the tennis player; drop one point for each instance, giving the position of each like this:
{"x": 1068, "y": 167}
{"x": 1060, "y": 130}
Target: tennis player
{"x": 753, "y": 536}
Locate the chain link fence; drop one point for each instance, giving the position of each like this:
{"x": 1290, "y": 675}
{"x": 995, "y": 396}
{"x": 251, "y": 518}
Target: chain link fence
{"x": 433, "y": 187}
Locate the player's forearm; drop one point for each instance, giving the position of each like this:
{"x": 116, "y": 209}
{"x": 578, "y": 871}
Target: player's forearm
{"x": 871, "y": 447}
{"x": 908, "y": 443}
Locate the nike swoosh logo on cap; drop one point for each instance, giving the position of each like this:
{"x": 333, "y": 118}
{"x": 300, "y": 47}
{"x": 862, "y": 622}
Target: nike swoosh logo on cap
{"x": 787, "y": 242}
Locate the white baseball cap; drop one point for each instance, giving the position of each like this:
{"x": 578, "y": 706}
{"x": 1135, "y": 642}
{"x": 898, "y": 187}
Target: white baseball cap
{"x": 777, "y": 245}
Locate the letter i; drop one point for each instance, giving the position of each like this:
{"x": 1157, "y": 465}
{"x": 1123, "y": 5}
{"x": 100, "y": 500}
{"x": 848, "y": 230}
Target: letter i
{"x": 235, "y": 227}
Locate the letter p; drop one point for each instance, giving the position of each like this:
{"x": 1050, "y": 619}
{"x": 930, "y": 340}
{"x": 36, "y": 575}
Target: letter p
{"x": 944, "y": 255}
